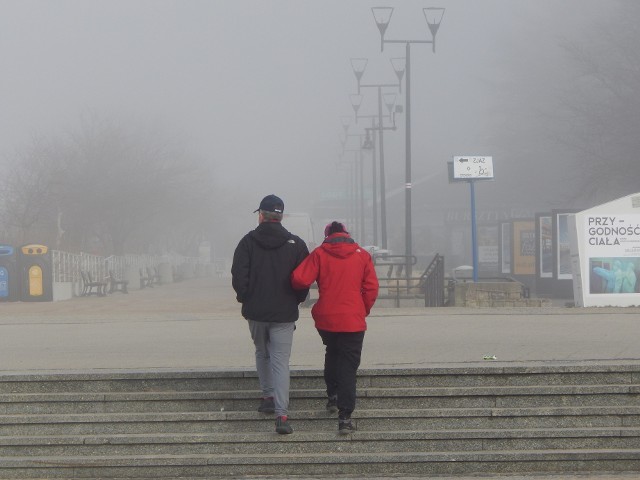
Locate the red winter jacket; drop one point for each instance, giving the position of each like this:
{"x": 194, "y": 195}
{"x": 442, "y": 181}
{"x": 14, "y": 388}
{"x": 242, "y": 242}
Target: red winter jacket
{"x": 347, "y": 284}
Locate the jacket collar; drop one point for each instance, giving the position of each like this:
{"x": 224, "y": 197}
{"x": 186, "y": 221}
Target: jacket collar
{"x": 339, "y": 238}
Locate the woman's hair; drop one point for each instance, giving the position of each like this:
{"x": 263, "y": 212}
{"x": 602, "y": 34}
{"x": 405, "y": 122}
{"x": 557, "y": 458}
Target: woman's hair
{"x": 334, "y": 227}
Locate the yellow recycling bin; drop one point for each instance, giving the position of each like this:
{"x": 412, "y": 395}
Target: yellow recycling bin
{"x": 37, "y": 279}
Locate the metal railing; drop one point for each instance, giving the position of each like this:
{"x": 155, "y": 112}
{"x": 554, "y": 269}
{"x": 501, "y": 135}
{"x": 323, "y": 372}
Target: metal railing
{"x": 393, "y": 261}
{"x": 66, "y": 266}
{"x": 430, "y": 285}
{"x": 432, "y": 282}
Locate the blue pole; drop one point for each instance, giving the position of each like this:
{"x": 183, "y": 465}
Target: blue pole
{"x": 474, "y": 237}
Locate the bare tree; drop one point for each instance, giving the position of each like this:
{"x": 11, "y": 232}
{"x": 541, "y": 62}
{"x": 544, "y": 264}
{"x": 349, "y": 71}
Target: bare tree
{"x": 130, "y": 185}
{"x": 602, "y": 105}
{"x": 27, "y": 203}
{"x": 566, "y": 118}
{"x": 109, "y": 189}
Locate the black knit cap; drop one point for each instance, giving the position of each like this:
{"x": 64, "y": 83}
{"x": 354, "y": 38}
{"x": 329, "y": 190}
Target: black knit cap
{"x": 271, "y": 203}
{"x": 334, "y": 227}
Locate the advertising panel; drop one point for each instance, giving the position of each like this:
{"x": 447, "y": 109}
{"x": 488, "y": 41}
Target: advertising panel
{"x": 524, "y": 247}
{"x": 605, "y": 253}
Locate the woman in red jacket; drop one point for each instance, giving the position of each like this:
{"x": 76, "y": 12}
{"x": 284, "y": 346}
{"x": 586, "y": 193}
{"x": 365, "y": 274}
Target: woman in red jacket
{"x": 347, "y": 287}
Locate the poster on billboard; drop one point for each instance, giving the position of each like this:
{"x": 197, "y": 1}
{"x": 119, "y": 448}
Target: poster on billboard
{"x": 613, "y": 252}
{"x": 523, "y": 247}
{"x": 613, "y": 274}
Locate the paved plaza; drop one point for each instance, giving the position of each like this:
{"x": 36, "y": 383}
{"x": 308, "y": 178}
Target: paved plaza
{"x": 196, "y": 324}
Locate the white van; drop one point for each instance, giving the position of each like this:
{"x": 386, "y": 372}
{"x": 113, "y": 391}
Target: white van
{"x": 300, "y": 224}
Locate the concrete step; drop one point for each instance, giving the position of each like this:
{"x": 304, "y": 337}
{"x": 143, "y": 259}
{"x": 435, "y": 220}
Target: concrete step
{"x": 130, "y": 382}
{"x": 322, "y": 441}
{"x": 368, "y": 420}
{"x": 92, "y": 382}
{"x": 368, "y": 398}
{"x": 366, "y": 465}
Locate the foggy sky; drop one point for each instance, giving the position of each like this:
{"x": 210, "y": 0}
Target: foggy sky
{"x": 258, "y": 86}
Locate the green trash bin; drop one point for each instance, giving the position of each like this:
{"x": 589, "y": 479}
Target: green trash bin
{"x": 36, "y": 274}
{"x": 9, "y": 279}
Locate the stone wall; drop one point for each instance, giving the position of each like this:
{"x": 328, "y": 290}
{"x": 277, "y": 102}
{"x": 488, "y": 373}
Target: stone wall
{"x": 494, "y": 294}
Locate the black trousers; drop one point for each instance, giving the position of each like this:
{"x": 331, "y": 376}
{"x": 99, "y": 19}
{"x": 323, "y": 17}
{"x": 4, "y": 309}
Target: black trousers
{"x": 341, "y": 362}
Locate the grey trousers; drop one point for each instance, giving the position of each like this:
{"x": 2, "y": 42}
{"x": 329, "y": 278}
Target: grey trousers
{"x": 273, "y": 348}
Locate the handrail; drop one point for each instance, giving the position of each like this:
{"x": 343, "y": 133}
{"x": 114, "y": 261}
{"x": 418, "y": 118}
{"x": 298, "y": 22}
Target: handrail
{"x": 429, "y": 284}
{"x": 432, "y": 282}
{"x": 387, "y": 261}
{"x": 413, "y": 258}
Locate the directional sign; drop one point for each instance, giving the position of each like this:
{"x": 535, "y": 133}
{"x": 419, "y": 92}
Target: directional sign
{"x": 472, "y": 168}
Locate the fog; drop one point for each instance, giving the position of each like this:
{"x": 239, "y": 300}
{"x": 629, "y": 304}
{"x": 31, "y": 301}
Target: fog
{"x": 257, "y": 89}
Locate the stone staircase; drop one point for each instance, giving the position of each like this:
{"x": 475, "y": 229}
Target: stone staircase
{"x": 415, "y": 422}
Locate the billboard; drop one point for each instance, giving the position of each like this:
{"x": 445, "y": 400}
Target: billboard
{"x": 523, "y": 247}
{"x": 605, "y": 251}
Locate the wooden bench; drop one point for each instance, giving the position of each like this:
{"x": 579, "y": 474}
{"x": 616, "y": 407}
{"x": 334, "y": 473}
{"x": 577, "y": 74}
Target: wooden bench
{"x": 154, "y": 276}
{"x": 88, "y": 285}
{"x": 176, "y": 273}
{"x": 116, "y": 285}
{"x": 145, "y": 280}
{"x": 149, "y": 276}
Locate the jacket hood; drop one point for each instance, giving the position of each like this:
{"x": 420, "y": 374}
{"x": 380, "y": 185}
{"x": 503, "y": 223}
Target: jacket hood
{"x": 340, "y": 245}
{"x": 270, "y": 235}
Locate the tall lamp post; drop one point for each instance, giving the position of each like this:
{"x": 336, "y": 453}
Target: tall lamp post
{"x": 352, "y": 203}
{"x": 358, "y": 183}
{"x": 370, "y": 144}
{"x": 382, "y": 17}
{"x": 359, "y": 65}
{"x": 348, "y": 167}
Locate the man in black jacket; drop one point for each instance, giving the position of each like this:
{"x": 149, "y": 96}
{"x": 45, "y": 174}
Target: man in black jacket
{"x": 261, "y": 270}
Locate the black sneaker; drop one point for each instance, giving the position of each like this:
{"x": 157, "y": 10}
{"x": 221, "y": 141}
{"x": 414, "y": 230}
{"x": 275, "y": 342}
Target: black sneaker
{"x": 282, "y": 426}
{"x": 345, "y": 427}
{"x": 267, "y": 405}
{"x": 332, "y": 404}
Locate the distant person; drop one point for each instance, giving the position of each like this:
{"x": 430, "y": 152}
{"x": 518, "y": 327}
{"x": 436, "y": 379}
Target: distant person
{"x": 262, "y": 265}
{"x": 348, "y": 288}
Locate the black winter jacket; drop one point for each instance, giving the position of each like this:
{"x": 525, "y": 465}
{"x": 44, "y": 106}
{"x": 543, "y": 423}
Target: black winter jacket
{"x": 261, "y": 271}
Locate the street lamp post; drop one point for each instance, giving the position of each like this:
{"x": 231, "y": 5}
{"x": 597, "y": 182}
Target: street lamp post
{"x": 359, "y": 65}
{"x": 370, "y": 144}
{"x": 382, "y": 17}
{"x": 358, "y": 184}
{"x": 349, "y": 187}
